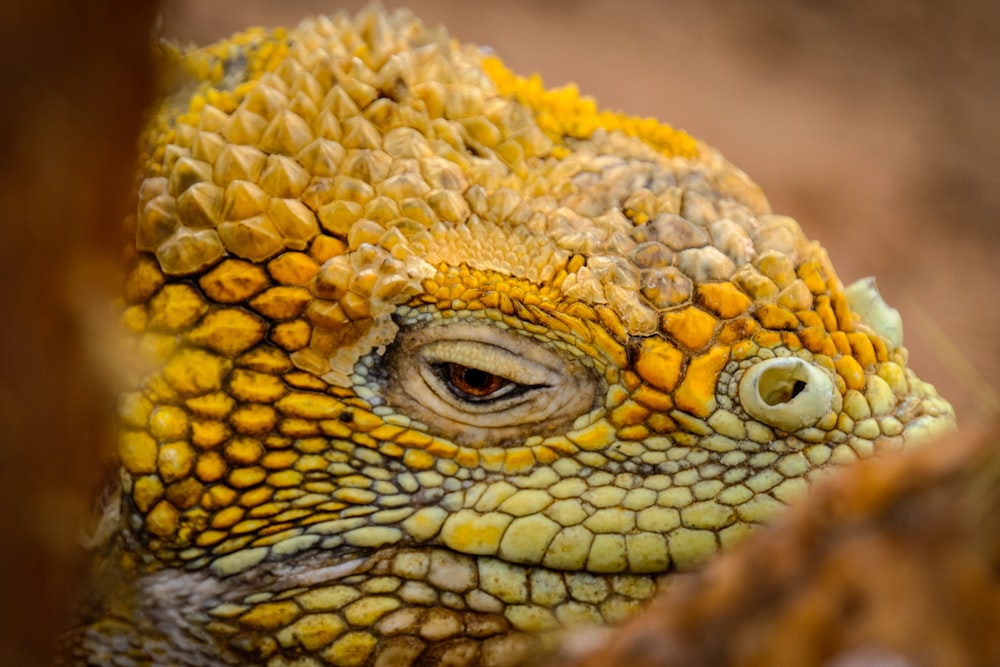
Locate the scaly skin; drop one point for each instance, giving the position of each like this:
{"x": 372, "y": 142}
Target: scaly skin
{"x": 439, "y": 361}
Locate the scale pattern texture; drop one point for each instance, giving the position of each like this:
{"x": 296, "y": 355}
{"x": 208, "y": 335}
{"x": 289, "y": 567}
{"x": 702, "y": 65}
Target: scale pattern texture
{"x": 435, "y": 361}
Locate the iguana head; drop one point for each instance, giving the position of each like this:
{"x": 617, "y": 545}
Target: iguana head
{"x": 407, "y": 310}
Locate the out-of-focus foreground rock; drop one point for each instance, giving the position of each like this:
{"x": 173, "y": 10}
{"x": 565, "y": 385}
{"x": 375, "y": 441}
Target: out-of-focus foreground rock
{"x": 76, "y": 77}
{"x": 895, "y": 563}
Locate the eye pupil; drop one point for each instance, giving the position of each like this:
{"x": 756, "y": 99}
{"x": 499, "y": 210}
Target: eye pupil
{"x": 476, "y": 378}
{"x": 473, "y": 381}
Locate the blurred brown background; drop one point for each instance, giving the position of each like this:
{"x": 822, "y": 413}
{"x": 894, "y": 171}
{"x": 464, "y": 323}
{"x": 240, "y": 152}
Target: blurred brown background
{"x": 875, "y": 123}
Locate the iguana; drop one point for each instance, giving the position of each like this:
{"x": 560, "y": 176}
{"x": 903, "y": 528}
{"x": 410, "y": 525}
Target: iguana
{"x": 437, "y": 361}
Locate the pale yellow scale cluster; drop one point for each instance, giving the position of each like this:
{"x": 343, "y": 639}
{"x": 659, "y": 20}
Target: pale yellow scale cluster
{"x": 316, "y": 195}
{"x": 430, "y": 604}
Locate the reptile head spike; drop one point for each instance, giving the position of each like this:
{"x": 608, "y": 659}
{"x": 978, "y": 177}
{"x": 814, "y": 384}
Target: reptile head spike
{"x": 865, "y": 300}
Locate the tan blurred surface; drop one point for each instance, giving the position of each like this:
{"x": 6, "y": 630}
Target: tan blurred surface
{"x": 873, "y": 123}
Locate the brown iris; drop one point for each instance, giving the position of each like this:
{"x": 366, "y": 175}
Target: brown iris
{"x": 474, "y": 382}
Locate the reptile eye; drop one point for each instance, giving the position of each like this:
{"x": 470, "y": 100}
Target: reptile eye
{"x": 474, "y": 384}
{"x": 481, "y": 385}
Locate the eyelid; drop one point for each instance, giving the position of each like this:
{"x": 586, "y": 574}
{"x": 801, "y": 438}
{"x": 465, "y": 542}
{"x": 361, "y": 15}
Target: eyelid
{"x": 491, "y": 359}
{"x": 549, "y": 388}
